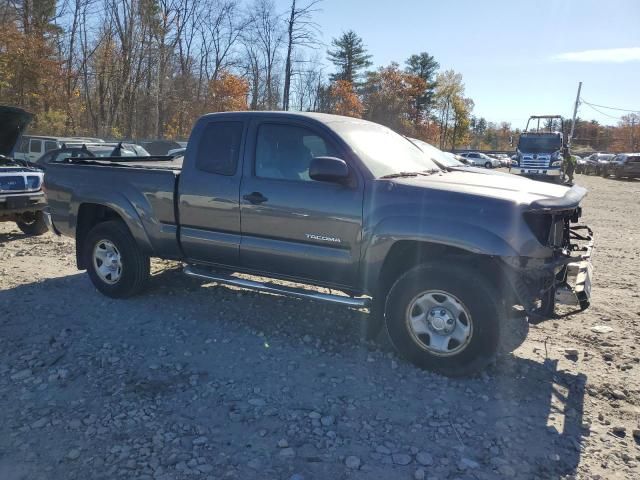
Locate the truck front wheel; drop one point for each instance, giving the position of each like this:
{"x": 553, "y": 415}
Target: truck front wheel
{"x": 116, "y": 265}
{"x": 32, "y": 223}
{"x": 444, "y": 318}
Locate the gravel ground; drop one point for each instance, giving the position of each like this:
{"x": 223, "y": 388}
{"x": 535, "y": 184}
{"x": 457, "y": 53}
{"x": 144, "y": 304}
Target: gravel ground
{"x": 207, "y": 382}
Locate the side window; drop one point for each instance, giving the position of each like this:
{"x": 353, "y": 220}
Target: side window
{"x": 474, "y": 155}
{"x": 49, "y": 145}
{"x": 285, "y": 152}
{"x": 36, "y": 146}
{"x": 61, "y": 155}
{"x": 23, "y": 146}
{"x": 219, "y": 148}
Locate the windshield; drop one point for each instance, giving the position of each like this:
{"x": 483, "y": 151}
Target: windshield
{"x": 539, "y": 143}
{"x": 382, "y": 150}
{"x": 442, "y": 159}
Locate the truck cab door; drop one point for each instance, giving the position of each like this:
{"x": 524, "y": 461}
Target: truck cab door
{"x": 209, "y": 185}
{"x": 293, "y": 226}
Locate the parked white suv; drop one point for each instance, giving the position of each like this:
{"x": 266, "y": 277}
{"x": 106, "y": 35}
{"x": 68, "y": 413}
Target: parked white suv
{"x": 478, "y": 159}
{"x": 32, "y": 147}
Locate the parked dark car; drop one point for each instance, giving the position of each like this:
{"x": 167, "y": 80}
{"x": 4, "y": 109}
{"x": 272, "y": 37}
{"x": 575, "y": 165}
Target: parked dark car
{"x": 625, "y": 165}
{"x": 596, "y": 161}
{"x": 439, "y": 255}
{"x": 160, "y": 147}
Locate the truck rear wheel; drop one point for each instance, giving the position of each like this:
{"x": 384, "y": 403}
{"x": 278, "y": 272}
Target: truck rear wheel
{"x": 116, "y": 265}
{"x": 32, "y": 223}
{"x": 444, "y": 318}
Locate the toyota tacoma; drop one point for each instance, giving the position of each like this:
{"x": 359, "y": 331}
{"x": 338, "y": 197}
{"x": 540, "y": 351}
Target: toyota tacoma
{"x": 439, "y": 255}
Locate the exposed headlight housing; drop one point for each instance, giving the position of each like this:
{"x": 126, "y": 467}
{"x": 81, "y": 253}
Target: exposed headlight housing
{"x": 556, "y": 163}
{"x": 33, "y": 182}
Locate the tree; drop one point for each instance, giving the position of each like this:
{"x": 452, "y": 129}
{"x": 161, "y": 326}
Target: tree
{"x": 627, "y": 135}
{"x": 462, "y": 108}
{"x": 344, "y": 100}
{"x": 301, "y": 31}
{"x": 389, "y": 96}
{"x": 424, "y": 66}
{"x": 349, "y": 56}
{"x": 265, "y": 35}
{"x": 449, "y": 86}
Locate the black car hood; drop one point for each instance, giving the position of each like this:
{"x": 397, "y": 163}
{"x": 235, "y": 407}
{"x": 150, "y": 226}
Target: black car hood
{"x": 13, "y": 121}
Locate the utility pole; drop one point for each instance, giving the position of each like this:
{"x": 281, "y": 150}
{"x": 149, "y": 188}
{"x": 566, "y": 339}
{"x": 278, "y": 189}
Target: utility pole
{"x": 633, "y": 127}
{"x": 575, "y": 113}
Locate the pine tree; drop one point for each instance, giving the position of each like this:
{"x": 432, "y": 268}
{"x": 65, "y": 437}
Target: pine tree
{"x": 424, "y": 66}
{"x": 350, "y": 57}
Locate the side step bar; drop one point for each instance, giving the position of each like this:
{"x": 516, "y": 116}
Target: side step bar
{"x": 356, "y": 302}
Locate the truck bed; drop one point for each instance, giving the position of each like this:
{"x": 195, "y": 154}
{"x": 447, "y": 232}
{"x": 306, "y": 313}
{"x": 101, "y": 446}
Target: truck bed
{"x": 140, "y": 188}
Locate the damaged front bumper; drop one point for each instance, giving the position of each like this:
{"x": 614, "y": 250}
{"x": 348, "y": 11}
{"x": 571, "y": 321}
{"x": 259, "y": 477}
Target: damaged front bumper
{"x": 572, "y": 284}
{"x": 564, "y": 279}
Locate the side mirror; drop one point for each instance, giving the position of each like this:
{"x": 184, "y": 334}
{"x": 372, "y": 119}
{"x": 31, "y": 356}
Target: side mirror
{"x": 329, "y": 169}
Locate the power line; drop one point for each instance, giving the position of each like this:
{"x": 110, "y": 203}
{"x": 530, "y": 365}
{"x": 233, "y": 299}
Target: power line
{"x": 600, "y": 111}
{"x": 608, "y": 108}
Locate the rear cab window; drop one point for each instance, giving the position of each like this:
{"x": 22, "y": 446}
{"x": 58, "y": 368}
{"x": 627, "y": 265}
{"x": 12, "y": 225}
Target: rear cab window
{"x": 219, "y": 148}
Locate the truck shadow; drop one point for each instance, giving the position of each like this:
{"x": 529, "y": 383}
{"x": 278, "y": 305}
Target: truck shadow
{"x": 522, "y": 418}
{"x": 12, "y": 236}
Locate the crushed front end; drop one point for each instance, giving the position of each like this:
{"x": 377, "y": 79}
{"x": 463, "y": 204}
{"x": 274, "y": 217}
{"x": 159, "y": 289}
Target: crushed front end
{"x": 563, "y": 276}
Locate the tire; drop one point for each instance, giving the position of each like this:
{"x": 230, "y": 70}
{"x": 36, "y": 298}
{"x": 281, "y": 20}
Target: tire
{"x": 33, "y": 223}
{"x": 487, "y": 165}
{"x": 130, "y": 271}
{"x": 449, "y": 291}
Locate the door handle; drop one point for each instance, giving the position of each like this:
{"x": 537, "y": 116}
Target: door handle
{"x": 255, "y": 198}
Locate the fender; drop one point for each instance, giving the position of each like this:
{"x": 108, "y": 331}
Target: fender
{"x": 464, "y": 236}
{"x": 129, "y": 204}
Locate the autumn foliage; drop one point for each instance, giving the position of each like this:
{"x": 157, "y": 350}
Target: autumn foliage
{"x": 344, "y": 100}
{"x": 390, "y": 96}
{"x": 140, "y": 69}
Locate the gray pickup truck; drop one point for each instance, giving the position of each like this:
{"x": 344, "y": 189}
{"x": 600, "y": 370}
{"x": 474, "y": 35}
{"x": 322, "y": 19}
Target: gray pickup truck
{"x": 440, "y": 256}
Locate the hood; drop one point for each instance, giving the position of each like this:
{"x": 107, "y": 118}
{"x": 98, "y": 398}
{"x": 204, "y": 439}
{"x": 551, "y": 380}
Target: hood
{"x": 507, "y": 187}
{"x": 13, "y": 121}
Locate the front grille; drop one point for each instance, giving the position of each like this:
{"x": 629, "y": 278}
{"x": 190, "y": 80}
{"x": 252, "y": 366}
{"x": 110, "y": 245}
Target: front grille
{"x": 534, "y": 163}
{"x": 12, "y": 184}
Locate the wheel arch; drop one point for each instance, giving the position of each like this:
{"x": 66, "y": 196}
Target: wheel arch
{"x": 91, "y": 214}
{"x": 406, "y": 254}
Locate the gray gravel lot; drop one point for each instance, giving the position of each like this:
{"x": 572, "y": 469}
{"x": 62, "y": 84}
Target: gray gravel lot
{"x": 192, "y": 381}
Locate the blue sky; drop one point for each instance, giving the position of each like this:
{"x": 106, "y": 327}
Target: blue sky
{"x": 509, "y": 71}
